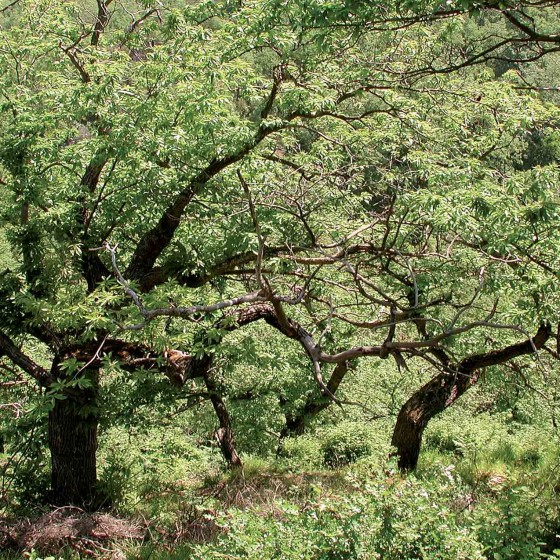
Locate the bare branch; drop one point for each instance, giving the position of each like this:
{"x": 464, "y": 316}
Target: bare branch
{"x": 530, "y": 346}
{"x": 15, "y": 407}
{"x": 174, "y": 311}
{"x": 530, "y": 31}
{"x": 278, "y": 77}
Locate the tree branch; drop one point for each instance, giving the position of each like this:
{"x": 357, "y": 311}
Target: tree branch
{"x": 14, "y": 354}
{"x": 101, "y": 21}
{"x": 496, "y": 357}
{"x": 69, "y": 52}
{"x": 155, "y": 240}
{"x": 10, "y": 5}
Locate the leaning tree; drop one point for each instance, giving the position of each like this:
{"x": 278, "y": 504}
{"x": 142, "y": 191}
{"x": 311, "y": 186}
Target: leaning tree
{"x": 350, "y": 175}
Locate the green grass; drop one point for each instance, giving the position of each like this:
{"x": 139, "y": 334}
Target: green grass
{"x": 484, "y": 488}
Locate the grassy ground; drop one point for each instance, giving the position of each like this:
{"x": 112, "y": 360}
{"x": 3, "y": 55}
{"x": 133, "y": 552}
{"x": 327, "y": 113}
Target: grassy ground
{"x": 492, "y": 494}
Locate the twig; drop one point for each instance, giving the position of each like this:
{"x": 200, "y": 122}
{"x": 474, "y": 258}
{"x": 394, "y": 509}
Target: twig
{"x": 10, "y": 5}
{"x": 68, "y": 51}
{"x": 96, "y": 356}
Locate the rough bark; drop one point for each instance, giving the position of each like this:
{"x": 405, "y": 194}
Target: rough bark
{"x": 431, "y": 399}
{"x": 444, "y": 390}
{"x": 72, "y": 438}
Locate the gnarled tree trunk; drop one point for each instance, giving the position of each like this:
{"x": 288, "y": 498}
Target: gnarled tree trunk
{"x": 223, "y": 434}
{"x": 434, "y": 397}
{"x": 444, "y": 389}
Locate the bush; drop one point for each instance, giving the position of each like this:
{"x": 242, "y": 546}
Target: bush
{"x": 398, "y": 520}
{"x": 345, "y": 444}
{"x": 301, "y": 452}
{"x": 512, "y": 527}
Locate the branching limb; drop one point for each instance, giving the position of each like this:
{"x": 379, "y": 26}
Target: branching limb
{"x": 69, "y": 52}
{"x": 174, "y": 311}
{"x": 496, "y": 357}
{"x": 15, "y": 407}
{"x": 9, "y": 349}
{"x": 530, "y": 31}
{"x": 137, "y": 22}
{"x": 155, "y": 241}
{"x": 103, "y": 16}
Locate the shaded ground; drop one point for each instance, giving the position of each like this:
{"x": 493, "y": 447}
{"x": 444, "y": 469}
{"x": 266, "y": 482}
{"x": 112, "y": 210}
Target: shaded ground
{"x": 101, "y": 535}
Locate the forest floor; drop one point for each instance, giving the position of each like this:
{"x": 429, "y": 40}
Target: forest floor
{"x": 484, "y": 490}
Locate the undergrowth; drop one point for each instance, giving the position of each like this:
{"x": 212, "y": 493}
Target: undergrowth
{"x": 482, "y": 491}
{"x": 486, "y": 487}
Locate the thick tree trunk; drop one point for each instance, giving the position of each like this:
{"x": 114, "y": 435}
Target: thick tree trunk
{"x": 444, "y": 389}
{"x": 72, "y": 441}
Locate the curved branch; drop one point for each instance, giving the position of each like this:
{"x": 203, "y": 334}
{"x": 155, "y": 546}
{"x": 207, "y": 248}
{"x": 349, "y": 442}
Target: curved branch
{"x": 496, "y": 357}
{"x": 154, "y": 241}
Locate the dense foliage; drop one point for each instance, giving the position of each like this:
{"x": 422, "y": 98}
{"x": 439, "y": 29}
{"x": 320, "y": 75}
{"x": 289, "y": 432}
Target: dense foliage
{"x": 313, "y": 224}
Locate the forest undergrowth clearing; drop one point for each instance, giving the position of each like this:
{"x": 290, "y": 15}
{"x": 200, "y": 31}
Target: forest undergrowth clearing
{"x": 239, "y": 508}
{"x": 70, "y": 532}
{"x": 257, "y": 489}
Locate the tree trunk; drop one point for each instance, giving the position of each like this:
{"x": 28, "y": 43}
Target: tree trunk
{"x": 431, "y": 399}
{"x": 444, "y": 389}
{"x": 295, "y": 425}
{"x": 224, "y": 434}
{"x": 224, "y": 437}
{"x": 72, "y": 441}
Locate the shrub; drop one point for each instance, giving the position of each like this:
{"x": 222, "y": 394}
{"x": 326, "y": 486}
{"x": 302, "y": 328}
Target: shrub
{"x": 511, "y": 527}
{"x": 383, "y": 520}
{"x": 345, "y": 444}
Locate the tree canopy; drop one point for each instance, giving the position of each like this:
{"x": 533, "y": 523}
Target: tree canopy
{"x": 369, "y": 180}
